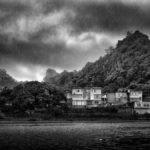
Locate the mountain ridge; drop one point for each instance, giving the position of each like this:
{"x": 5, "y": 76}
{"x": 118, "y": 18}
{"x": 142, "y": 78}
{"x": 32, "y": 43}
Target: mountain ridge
{"x": 126, "y": 65}
{"x": 6, "y": 80}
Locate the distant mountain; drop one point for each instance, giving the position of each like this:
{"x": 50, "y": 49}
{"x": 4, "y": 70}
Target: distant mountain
{"x": 6, "y": 80}
{"x": 50, "y": 73}
{"x": 126, "y": 65}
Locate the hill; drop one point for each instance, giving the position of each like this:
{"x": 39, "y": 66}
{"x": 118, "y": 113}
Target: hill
{"x": 126, "y": 65}
{"x": 6, "y": 80}
{"x": 50, "y": 73}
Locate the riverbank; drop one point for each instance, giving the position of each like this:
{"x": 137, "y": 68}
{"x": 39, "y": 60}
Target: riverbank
{"x": 57, "y": 121}
{"x": 74, "y": 115}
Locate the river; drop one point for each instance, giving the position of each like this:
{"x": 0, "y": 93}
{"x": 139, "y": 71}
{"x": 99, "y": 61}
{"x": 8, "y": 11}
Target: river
{"x": 76, "y": 136}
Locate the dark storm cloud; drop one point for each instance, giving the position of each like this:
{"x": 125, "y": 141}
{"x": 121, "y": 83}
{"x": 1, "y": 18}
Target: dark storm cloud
{"x": 64, "y": 34}
{"x": 42, "y": 33}
{"x": 110, "y": 17}
{"x": 56, "y": 55}
{"x": 12, "y": 6}
{"x": 29, "y": 52}
{"x": 10, "y": 10}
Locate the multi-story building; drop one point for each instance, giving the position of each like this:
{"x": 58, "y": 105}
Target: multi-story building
{"x": 95, "y": 97}
{"x": 78, "y": 99}
{"x": 121, "y": 97}
{"x": 86, "y": 97}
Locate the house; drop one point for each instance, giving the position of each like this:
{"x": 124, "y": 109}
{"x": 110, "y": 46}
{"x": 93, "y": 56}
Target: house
{"x": 86, "y": 97}
{"x": 121, "y": 97}
{"x": 142, "y": 107}
{"x": 117, "y": 98}
{"x": 135, "y": 96}
{"x": 111, "y": 98}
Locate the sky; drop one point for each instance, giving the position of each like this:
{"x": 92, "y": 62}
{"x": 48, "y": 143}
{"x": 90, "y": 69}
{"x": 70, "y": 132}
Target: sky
{"x": 63, "y": 34}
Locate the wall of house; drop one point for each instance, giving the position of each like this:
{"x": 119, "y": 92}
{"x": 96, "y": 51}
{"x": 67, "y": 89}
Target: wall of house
{"x": 111, "y": 97}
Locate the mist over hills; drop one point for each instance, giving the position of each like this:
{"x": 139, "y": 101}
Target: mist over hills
{"x": 126, "y": 65}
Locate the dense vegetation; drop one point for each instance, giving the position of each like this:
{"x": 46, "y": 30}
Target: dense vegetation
{"x": 127, "y": 65}
{"x": 33, "y": 97}
{"x": 50, "y": 73}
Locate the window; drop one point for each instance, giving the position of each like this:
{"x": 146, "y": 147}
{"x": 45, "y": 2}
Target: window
{"x": 78, "y": 95}
{"x": 96, "y": 102}
{"x": 138, "y": 105}
{"x": 97, "y": 96}
{"x": 89, "y": 102}
{"x": 146, "y": 105}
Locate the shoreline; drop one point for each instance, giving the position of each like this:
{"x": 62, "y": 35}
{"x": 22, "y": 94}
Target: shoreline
{"x": 50, "y": 122}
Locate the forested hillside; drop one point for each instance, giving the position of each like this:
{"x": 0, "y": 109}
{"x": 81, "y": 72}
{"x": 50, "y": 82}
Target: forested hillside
{"x": 126, "y": 65}
{"x": 49, "y": 74}
{"x": 6, "y": 80}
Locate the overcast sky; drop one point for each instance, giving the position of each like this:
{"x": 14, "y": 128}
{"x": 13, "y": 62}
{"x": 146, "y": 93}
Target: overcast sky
{"x": 63, "y": 34}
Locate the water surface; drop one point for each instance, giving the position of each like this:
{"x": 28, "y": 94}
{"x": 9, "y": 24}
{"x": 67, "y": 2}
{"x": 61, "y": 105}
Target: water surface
{"x": 76, "y": 136}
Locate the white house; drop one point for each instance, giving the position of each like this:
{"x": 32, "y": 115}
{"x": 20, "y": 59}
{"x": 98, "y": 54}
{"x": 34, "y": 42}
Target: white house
{"x": 86, "y": 97}
{"x": 95, "y": 97}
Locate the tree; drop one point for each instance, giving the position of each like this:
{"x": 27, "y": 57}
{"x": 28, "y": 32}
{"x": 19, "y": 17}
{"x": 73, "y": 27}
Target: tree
{"x": 35, "y": 95}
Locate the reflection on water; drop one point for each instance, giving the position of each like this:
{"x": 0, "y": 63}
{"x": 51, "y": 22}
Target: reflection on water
{"x": 76, "y": 136}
